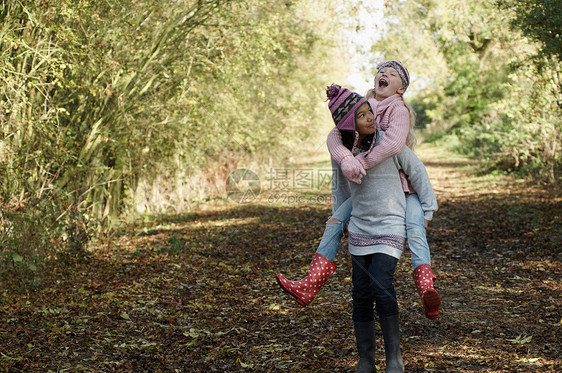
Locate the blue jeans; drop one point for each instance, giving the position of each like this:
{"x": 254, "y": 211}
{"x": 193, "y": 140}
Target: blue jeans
{"x": 334, "y": 231}
{"x": 373, "y": 284}
{"x": 415, "y": 231}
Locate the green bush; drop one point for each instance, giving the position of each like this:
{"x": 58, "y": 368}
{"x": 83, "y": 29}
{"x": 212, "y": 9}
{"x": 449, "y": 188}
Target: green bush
{"x": 111, "y": 107}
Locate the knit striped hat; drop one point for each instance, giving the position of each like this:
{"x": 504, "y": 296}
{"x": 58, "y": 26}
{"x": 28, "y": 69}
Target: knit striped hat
{"x": 343, "y": 104}
{"x": 402, "y": 71}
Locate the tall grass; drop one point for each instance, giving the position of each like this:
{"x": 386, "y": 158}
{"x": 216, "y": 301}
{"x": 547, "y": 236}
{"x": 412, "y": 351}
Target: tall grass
{"x": 82, "y": 88}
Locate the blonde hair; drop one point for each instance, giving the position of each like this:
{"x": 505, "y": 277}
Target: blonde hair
{"x": 411, "y": 140}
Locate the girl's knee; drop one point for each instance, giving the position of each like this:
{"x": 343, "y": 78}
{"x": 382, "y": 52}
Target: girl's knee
{"x": 416, "y": 234}
{"x": 333, "y": 220}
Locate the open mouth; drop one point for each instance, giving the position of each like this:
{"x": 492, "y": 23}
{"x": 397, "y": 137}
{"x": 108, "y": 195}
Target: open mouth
{"x": 383, "y": 83}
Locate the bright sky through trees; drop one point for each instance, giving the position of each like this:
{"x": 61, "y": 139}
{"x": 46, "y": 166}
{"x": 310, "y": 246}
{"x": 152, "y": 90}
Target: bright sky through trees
{"x": 369, "y": 27}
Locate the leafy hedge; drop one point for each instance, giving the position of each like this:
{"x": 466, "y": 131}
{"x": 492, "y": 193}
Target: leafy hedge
{"x": 110, "y": 107}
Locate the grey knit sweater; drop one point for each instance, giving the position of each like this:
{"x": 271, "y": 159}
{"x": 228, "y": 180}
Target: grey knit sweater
{"x": 377, "y": 223}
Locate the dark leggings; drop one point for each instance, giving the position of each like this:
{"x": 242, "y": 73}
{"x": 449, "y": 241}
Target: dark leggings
{"x": 373, "y": 283}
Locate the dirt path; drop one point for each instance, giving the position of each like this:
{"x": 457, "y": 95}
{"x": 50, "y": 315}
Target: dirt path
{"x": 196, "y": 293}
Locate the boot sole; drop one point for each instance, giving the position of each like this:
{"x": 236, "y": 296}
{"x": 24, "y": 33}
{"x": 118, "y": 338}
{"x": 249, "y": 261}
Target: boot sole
{"x": 299, "y": 301}
{"x": 431, "y": 303}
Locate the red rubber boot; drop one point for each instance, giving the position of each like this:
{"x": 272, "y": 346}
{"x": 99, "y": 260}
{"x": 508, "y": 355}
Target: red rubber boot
{"x": 305, "y": 290}
{"x": 423, "y": 278}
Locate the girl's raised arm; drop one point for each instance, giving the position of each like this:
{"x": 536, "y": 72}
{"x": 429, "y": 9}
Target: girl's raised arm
{"x": 335, "y": 146}
{"x": 393, "y": 141}
{"x": 350, "y": 166}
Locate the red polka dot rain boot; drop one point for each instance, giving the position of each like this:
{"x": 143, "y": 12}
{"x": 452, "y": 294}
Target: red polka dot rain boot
{"x": 423, "y": 278}
{"x": 305, "y": 290}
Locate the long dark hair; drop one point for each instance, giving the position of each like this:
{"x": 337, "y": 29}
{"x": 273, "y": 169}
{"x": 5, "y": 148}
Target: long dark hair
{"x": 348, "y": 138}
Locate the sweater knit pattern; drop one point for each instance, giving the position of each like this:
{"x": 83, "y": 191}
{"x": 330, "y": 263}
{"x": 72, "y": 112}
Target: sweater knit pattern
{"x": 392, "y": 240}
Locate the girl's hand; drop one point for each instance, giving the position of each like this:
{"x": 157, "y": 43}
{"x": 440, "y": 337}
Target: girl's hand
{"x": 426, "y": 223}
{"x": 361, "y": 159}
{"x": 352, "y": 169}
